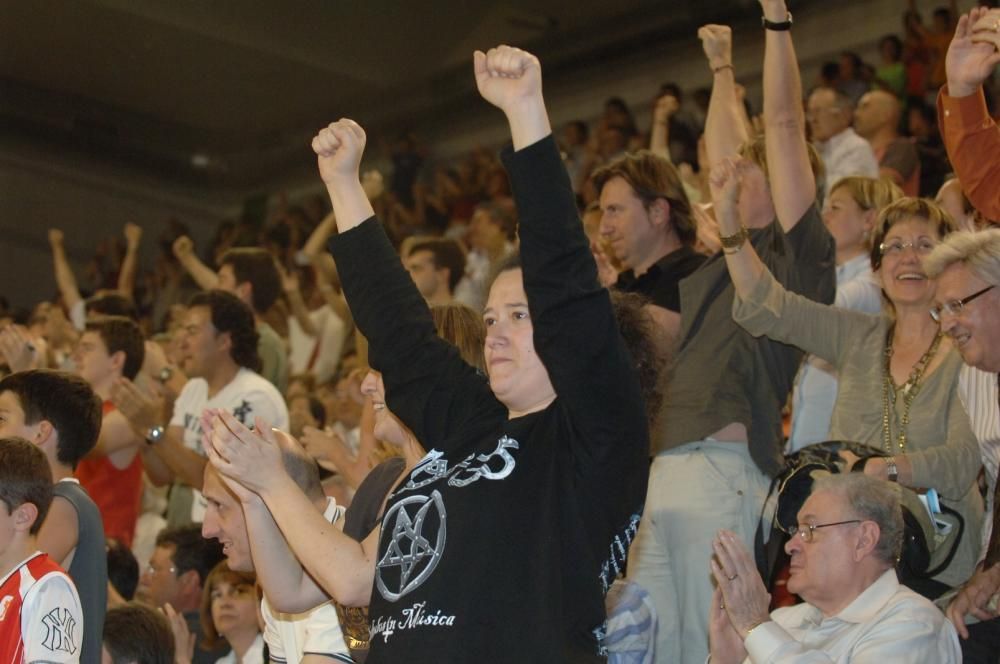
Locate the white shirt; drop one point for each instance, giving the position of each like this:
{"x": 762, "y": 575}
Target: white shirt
{"x": 253, "y": 655}
{"x": 246, "y": 396}
{"x": 978, "y": 392}
{"x": 317, "y": 631}
{"x": 815, "y": 391}
{"x": 331, "y": 335}
{"x": 886, "y": 623}
{"x": 847, "y": 154}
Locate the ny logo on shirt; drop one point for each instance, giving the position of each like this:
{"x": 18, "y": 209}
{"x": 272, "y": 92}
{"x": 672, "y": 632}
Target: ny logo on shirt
{"x": 60, "y": 626}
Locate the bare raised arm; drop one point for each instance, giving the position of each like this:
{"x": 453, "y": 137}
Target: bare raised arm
{"x": 725, "y": 130}
{"x": 793, "y": 186}
{"x": 63, "y": 272}
{"x": 126, "y": 277}
{"x": 203, "y": 275}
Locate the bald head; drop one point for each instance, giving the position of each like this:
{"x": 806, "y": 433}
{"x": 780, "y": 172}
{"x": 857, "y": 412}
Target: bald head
{"x": 878, "y": 110}
{"x": 828, "y": 113}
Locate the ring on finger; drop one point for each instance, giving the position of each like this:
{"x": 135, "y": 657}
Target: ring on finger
{"x": 733, "y": 577}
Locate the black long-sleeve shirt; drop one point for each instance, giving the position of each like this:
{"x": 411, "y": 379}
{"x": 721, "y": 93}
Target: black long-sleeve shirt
{"x": 502, "y": 542}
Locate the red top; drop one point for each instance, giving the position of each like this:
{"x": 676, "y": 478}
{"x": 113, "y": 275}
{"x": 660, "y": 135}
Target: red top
{"x": 117, "y": 492}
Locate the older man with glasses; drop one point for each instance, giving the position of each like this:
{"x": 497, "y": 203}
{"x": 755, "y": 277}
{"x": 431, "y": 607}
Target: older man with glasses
{"x": 843, "y": 554}
{"x": 967, "y": 267}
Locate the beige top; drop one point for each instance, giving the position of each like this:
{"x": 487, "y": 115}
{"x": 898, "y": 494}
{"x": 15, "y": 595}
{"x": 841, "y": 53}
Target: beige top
{"x": 941, "y": 445}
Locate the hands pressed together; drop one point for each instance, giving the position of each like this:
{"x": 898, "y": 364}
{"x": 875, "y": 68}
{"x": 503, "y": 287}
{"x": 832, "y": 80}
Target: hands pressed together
{"x": 740, "y": 601}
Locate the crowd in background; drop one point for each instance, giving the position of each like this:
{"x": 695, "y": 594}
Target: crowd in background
{"x": 257, "y": 328}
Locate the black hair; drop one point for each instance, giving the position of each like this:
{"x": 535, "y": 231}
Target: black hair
{"x": 640, "y": 333}
{"x": 64, "y": 400}
{"x": 231, "y": 316}
{"x": 123, "y": 568}
{"x": 121, "y": 334}
{"x": 447, "y": 253}
{"x": 111, "y": 304}
{"x": 138, "y": 634}
{"x": 256, "y": 266}
{"x": 191, "y": 550}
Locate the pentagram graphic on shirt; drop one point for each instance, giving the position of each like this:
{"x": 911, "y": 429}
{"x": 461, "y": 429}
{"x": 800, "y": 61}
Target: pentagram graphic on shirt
{"x": 416, "y": 544}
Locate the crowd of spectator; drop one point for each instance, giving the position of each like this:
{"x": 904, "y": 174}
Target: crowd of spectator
{"x": 546, "y": 405}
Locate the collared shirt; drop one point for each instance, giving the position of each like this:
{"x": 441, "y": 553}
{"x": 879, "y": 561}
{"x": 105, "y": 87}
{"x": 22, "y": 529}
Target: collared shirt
{"x": 253, "y": 655}
{"x": 816, "y": 387}
{"x": 887, "y": 622}
{"x": 847, "y": 154}
{"x": 972, "y": 139}
{"x": 661, "y": 282}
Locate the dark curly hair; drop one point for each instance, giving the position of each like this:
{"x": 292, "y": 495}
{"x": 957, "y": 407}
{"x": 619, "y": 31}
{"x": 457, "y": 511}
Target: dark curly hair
{"x": 640, "y": 332}
{"x": 230, "y": 315}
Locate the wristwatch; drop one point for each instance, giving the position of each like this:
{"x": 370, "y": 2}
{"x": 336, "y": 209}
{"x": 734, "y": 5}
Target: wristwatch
{"x": 777, "y": 25}
{"x": 165, "y": 374}
{"x": 891, "y": 469}
{"x": 732, "y": 243}
{"x": 155, "y": 435}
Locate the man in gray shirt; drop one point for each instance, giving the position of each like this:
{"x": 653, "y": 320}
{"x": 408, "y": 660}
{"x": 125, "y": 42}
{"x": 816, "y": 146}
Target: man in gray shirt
{"x": 721, "y": 421}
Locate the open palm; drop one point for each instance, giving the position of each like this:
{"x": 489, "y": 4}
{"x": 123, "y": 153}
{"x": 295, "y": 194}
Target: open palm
{"x": 970, "y": 60}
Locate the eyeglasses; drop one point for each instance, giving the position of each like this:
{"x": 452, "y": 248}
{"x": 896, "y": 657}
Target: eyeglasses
{"x": 152, "y": 571}
{"x": 922, "y": 246}
{"x": 808, "y": 532}
{"x": 955, "y": 307}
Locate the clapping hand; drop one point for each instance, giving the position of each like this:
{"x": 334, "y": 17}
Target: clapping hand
{"x": 252, "y": 458}
{"x": 17, "y": 350}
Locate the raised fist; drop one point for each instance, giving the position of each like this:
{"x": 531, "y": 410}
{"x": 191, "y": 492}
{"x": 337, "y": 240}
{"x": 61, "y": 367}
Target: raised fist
{"x": 665, "y": 107}
{"x": 507, "y": 76}
{"x": 133, "y": 234}
{"x": 338, "y": 148}
{"x": 717, "y": 42}
{"x": 55, "y": 236}
{"x": 183, "y": 247}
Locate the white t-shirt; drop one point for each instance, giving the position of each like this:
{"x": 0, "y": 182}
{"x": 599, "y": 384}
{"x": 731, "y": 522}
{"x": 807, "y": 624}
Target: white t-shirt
{"x": 317, "y": 631}
{"x": 247, "y": 396}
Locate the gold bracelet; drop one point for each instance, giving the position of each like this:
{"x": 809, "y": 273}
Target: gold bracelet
{"x": 747, "y": 636}
{"x": 716, "y": 70}
{"x": 734, "y": 241}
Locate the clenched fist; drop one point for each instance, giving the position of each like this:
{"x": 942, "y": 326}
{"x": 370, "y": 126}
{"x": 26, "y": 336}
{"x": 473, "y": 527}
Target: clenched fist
{"x": 339, "y": 148}
{"x": 717, "y": 42}
{"x": 55, "y": 237}
{"x": 183, "y": 247}
{"x": 508, "y": 77}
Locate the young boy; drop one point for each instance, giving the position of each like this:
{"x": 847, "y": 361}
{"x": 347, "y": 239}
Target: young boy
{"x": 40, "y": 615}
{"x": 59, "y": 414}
{"x": 111, "y": 347}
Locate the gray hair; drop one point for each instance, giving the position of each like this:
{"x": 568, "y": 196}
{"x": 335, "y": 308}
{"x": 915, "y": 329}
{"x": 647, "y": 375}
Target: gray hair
{"x": 979, "y": 251}
{"x": 871, "y": 500}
